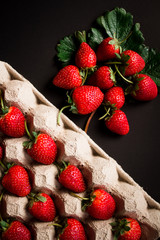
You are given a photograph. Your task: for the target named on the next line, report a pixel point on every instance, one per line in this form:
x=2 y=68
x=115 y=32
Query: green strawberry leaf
x=152 y=66
x=66 y=49
x=117 y=24
x=95 y=37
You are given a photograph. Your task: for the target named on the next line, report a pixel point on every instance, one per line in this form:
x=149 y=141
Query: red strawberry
x=107 y=49
x=87 y=98
x=118 y=123
x=15 y=231
x=68 y=77
x=72 y=178
x=102 y=78
x=73 y=230
x=85 y=56
x=42 y=207
x=135 y=63
x=16 y=181
x=12 y=122
x=115 y=96
x=101 y=205
x=126 y=229
x=147 y=89
x=41 y=148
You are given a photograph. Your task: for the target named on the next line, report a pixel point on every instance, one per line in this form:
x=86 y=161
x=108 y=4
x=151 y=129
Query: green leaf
x=135 y=40
x=66 y=50
x=152 y=66
x=117 y=24
x=95 y=37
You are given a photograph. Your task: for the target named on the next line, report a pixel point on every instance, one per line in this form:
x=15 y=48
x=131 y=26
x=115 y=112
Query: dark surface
x=29 y=33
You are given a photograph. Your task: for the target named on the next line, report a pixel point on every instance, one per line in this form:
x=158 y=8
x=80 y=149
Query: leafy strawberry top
x=119 y=25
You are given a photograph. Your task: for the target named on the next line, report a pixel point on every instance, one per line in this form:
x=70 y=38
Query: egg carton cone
x=75 y=146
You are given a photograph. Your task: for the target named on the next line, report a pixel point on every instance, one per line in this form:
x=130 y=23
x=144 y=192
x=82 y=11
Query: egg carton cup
x=75 y=146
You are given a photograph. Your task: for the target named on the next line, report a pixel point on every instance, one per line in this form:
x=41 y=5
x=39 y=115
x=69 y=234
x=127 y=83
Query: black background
x=29 y=32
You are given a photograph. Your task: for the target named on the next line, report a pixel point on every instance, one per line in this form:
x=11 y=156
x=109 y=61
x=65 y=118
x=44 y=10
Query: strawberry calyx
x=62 y=166
x=4 y=108
x=88 y=200
x=109 y=111
x=60 y=224
x=71 y=105
x=35 y=197
x=80 y=36
x=4 y=225
x=114 y=41
x=33 y=138
x=6 y=166
x=132 y=88
x=119 y=227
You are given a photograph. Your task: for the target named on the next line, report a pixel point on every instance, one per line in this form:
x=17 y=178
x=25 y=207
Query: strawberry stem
x=89 y=120
x=113 y=63
x=3 y=166
x=77 y=196
x=55 y=224
x=126 y=38
x=59 y=114
x=107 y=113
x=125 y=79
x=27 y=131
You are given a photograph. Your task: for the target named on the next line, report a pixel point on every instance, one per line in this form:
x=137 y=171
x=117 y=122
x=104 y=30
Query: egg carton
x=75 y=146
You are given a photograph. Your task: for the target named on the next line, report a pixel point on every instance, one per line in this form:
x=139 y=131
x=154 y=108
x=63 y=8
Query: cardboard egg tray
x=75 y=146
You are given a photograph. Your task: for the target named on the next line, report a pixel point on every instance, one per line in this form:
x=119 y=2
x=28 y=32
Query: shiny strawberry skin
x=85 y=56
x=16 y=231
x=103 y=206
x=135 y=63
x=73 y=231
x=44 y=150
x=102 y=78
x=16 y=181
x=13 y=123
x=115 y=95
x=87 y=98
x=72 y=179
x=118 y=123
x=43 y=211
x=106 y=50
x=68 y=77
x=134 y=233
x=147 y=89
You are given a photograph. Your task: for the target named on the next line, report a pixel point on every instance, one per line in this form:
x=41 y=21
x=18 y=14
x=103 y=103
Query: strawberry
x=14 y=231
x=118 y=123
x=134 y=64
x=85 y=56
x=146 y=88
x=41 y=147
x=87 y=99
x=107 y=49
x=72 y=178
x=126 y=229
x=41 y=206
x=115 y=96
x=73 y=230
x=16 y=181
x=68 y=77
x=12 y=122
x=102 y=78
x=100 y=205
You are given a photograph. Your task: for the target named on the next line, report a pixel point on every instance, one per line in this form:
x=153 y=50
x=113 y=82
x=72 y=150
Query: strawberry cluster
x=98 y=203
x=103 y=78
